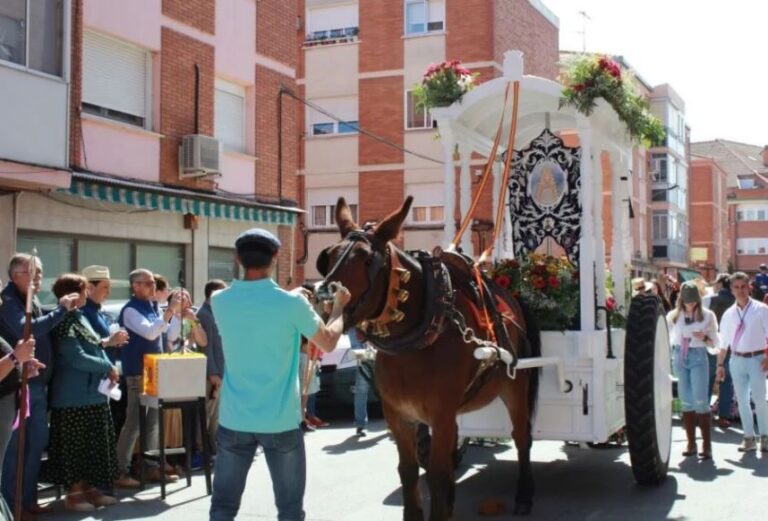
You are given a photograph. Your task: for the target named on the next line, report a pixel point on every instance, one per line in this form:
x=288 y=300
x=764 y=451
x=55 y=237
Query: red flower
x=553 y=281
x=503 y=281
x=512 y=264
x=610 y=303
x=539 y=283
x=578 y=87
x=610 y=66
x=540 y=269
x=516 y=294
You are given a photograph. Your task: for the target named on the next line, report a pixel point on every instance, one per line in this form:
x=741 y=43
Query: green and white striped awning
x=168 y=201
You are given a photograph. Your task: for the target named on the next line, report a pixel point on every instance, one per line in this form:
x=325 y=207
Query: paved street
x=354 y=480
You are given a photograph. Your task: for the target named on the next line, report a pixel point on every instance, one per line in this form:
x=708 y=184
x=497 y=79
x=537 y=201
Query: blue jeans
x=312 y=404
x=748 y=377
x=361 y=398
x=725 y=395
x=692 y=380
x=36 y=443
x=286 y=460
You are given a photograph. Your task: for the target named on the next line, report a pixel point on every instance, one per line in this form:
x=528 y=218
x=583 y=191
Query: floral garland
x=590 y=77
x=549 y=285
x=443 y=84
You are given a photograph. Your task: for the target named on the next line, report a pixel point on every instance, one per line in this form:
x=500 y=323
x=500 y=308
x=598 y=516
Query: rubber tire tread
x=642 y=320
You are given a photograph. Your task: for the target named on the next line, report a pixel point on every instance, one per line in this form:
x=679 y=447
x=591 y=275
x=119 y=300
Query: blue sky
x=713 y=53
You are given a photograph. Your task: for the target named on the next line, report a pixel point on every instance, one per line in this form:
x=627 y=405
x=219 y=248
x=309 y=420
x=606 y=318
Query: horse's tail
x=533 y=335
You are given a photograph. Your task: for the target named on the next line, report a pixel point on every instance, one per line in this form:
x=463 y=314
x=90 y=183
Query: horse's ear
x=344 y=218
x=389 y=228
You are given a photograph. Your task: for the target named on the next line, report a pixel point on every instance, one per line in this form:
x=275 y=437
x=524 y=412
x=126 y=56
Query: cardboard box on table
x=174 y=376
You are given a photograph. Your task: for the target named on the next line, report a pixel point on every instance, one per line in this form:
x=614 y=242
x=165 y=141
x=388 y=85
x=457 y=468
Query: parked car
x=338 y=371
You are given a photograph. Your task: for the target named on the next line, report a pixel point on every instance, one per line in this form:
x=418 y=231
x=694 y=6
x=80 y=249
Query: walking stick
x=22 y=434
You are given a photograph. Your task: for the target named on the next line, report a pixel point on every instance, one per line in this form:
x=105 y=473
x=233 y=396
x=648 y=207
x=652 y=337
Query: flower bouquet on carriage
x=548 y=285
x=443 y=84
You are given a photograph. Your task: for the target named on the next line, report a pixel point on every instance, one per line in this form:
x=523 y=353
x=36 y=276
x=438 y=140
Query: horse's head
x=359 y=261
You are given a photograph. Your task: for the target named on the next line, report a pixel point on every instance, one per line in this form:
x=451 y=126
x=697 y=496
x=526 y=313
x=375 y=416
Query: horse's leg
x=440 y=472
x=515 y=395
x=404 y=433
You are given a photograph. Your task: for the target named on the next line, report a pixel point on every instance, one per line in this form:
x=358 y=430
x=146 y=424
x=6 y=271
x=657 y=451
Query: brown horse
x=428 y=373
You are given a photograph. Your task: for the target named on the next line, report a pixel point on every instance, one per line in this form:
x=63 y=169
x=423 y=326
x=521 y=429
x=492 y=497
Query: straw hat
x=94 y=273
x=640 y=285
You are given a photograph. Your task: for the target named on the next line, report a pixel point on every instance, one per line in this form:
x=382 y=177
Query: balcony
x=670 y=250
x=332 y=36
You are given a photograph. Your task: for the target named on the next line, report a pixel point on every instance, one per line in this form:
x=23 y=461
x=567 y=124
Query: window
x=62 y=254
x=116 y=255
x=752 y=213
x=751 y=246
x=746 y=183
x=116 y=80
x=343 y=109
x=659 y=168
x=423 y=16
x=56 y=254
x=43 y=51
x=660 y=226
x=332 y=24
x=325 y=215
x=416 y=116
x=427 y=203
x=229 y=115
x=322 y=205
x=222 y=265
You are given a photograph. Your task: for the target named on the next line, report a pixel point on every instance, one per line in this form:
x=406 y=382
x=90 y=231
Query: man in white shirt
x=744 y=330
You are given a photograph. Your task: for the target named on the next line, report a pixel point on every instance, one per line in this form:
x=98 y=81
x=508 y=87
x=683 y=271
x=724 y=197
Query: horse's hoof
x=522 y=509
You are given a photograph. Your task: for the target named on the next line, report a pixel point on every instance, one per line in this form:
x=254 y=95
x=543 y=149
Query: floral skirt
x=82 y=446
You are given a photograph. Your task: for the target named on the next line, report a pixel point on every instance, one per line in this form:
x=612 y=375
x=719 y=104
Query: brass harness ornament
x=395 y=296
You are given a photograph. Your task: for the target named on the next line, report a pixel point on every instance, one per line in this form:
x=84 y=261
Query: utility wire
x=362 y=131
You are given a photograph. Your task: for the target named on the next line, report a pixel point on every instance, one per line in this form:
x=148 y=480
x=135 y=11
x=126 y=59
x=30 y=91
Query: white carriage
x=594 y=381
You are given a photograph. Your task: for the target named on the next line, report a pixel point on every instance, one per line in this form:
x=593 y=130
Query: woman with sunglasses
x=693 y=330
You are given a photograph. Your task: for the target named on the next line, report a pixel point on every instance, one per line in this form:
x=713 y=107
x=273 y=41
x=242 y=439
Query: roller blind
x=337 y=17
x=230 y=116
x=114 y=75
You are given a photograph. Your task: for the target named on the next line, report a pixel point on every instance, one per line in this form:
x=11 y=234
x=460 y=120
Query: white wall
x=33 y=111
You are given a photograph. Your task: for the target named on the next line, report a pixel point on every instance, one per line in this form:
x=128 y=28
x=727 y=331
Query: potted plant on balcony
x=443 y=84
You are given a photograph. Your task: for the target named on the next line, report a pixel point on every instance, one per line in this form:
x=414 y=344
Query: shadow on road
x=354 y=442
x=586 y=484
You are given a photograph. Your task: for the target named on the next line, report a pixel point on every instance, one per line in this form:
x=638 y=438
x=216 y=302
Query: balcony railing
x=330 y=36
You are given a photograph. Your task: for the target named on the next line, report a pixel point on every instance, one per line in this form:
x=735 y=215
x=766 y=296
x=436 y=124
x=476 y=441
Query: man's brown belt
x=750 y=354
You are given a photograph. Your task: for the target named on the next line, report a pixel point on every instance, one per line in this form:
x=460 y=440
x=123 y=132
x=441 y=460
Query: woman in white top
x=693 y=330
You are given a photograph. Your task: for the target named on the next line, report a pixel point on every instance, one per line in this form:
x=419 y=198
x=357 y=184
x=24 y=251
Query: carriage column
x=465 y=194
x=587 y=241
x=449 y=184
x=620 y=232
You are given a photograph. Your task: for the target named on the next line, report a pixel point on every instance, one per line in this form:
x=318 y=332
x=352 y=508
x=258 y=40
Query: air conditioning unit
x=199 y=156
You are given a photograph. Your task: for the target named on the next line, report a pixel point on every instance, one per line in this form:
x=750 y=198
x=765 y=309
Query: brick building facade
x=358 y=63
x=143 y=77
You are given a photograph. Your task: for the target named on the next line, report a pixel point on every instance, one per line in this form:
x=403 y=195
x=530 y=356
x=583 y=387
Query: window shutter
x=230 y=119
x=329 y=18
x=114 y=75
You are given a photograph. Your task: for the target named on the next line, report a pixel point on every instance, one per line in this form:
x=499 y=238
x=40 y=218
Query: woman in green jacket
x=82 y=446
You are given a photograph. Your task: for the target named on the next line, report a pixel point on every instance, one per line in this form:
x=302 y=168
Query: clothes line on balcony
x=165 y=199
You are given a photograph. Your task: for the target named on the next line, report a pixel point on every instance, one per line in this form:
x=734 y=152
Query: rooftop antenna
x=585 y=17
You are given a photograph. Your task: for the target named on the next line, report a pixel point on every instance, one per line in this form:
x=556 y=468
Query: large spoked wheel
x=648 y=390
x=424 y=443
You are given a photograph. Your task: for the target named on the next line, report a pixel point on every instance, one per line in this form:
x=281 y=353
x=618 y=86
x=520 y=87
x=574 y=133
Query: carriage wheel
x=648 y=390
x=424 y=442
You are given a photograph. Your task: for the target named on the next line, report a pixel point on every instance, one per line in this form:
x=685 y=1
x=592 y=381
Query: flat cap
x=257 y=239
x=96 y=272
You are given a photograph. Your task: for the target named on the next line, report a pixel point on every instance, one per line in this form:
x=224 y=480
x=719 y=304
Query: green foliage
x=443 y=84
x=592 y=77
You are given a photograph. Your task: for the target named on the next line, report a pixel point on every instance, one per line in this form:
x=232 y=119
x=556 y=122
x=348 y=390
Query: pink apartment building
x=145 y=134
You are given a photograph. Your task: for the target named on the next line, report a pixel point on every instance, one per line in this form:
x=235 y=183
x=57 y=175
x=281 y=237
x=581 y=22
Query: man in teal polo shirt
x=261 y=326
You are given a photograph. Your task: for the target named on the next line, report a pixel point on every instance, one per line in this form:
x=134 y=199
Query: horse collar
x=394 y=295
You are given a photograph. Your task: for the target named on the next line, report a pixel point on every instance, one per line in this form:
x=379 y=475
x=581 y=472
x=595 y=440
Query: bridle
x=375 y=265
